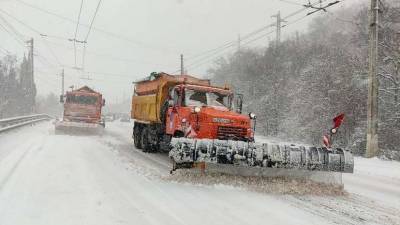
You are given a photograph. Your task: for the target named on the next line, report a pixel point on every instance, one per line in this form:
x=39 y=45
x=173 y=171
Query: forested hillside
x=298 y=86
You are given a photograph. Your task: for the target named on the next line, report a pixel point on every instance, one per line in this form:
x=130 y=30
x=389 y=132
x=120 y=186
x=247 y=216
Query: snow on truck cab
x=82 y=109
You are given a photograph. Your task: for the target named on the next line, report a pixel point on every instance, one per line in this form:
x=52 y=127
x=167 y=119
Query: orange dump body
x=151 y=86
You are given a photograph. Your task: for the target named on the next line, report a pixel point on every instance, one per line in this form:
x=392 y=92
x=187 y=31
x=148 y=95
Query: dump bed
x=151 y=84
x=150 y=94
x=144 y=108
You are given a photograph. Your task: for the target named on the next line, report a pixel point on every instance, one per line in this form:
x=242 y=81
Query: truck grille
x=234 y=133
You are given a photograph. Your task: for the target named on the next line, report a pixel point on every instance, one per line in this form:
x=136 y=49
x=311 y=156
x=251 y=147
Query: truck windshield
x=202 y=98
x=82 y=99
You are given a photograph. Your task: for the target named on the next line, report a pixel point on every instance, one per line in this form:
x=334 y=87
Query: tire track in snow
x=31 y=147
x=124 y=188
x=346 y=210
x=353 y=209
x=175 y=213
x=159 y=161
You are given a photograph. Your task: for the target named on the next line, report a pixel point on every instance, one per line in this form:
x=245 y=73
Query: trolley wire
x=217 y=51
x=76 y=29
x=87 y=35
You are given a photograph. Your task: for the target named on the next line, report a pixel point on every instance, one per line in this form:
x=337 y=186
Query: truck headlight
x=252 y=116
x=184 y=122
x=197 y=109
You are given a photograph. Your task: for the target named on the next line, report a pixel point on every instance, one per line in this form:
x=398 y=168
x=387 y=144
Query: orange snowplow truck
x=201 y=125
x=82 y=111
x=166 y=106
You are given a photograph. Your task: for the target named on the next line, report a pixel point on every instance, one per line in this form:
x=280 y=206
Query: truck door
x=172 y=120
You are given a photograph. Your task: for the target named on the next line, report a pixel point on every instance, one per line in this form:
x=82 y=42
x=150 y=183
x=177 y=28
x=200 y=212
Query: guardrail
x=14 y=122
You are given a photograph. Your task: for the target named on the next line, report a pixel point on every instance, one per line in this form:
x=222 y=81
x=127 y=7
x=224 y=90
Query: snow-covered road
x=62 y=179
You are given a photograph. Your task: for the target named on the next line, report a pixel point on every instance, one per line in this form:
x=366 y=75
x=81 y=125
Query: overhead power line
x=230 y=44
x=12 y=35
x=5 y=51
x=76 y=29
x=33 y=30
x=291 y=2
x=111 y=57
x=43 y=36
x=206 y=58
x=321 y=7
x=137 y=43
x=87 y=35
x=12 y=28
x=221 y=49
x=200 y=63
x=20 y=21
x=53 y=53
x=92 y=21
x=8 y=28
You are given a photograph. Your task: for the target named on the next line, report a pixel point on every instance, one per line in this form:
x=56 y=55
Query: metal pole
x=372 y=115
x=278 y=25
x=182 y=68
x=62 y=82
x=278 y=28
x=32 y=80
x=239 y=40
x=32 y=58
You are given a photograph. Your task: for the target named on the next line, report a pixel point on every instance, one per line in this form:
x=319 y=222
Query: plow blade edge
x=186 y=152
x=68 y=127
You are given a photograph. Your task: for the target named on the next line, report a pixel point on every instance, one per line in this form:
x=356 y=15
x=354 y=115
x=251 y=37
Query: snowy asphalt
x=63 y=179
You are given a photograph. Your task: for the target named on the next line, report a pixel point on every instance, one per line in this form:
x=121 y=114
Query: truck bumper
x=77 y=127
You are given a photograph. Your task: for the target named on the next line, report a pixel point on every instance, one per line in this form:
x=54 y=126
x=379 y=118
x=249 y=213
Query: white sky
x=154 y=33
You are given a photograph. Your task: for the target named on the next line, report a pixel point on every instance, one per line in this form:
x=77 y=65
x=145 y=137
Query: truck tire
x=165 y=143
x=144 y=140
x=137 y=137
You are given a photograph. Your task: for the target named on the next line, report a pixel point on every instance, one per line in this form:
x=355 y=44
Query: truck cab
x=82 y=109
x=173 y=106
x=206 y=112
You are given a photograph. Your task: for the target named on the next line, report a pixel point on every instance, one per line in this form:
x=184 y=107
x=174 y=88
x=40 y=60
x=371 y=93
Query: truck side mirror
x=61 y=99
x=239 y=103
x=103 y=103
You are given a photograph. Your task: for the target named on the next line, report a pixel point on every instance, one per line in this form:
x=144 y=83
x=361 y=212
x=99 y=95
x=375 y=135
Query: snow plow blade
x=67 y=127
x=257 y=157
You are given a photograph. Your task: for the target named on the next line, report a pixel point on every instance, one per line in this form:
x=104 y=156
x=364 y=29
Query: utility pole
x=123 y=97
x=239 y=40
x=62 y=82
x=278 y=28
x=32 y=80
x=31 y=55
x=182 y=67
x=372 y=115
x=278 y=25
